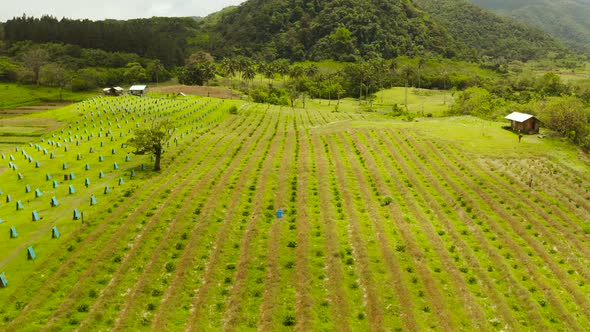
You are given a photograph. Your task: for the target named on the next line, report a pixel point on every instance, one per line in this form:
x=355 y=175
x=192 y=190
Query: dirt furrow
x=234 y=308
x=508 y=238
x=99 y=233
x=334 y=270
x=179 y=277
x=107 y=294
x=202 y=293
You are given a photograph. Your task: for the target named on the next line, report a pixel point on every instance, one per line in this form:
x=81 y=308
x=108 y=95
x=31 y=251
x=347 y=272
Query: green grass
x=13 y=95
x=464 y=242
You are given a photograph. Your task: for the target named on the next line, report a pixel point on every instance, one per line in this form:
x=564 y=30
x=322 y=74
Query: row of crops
x=383 y=228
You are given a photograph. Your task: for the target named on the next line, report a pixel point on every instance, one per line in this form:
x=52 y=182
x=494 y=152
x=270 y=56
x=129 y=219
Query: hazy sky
x=115 y=9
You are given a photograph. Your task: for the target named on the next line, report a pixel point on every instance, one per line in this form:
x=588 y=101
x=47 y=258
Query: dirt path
x=232 y=316
x=361 y=257
x=271 y=303
x=335 y=278
x=249 y=161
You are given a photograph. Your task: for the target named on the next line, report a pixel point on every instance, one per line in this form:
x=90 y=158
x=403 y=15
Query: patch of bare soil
x=205 y=91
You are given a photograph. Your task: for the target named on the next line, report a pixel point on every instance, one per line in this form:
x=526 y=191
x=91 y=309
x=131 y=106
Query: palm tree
x=158 y=67
x=406 y=72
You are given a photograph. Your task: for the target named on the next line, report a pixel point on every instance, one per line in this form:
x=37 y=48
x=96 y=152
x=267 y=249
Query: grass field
x=388 y=225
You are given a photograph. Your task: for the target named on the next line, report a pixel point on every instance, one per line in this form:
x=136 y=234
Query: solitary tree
x=152 y=140
x=34 y=59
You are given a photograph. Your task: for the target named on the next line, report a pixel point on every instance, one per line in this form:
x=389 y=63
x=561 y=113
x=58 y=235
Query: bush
x=385 y=201
x=233 y=110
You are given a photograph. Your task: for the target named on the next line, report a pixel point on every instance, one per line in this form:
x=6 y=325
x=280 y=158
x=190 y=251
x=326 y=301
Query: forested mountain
x=344 y=30
x=158 y=37
x=338 y=29
x=566 y=20
x=488 y=34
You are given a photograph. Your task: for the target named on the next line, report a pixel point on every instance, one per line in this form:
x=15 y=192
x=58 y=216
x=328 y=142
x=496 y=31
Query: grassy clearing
x=14 y=95
x=388 y=224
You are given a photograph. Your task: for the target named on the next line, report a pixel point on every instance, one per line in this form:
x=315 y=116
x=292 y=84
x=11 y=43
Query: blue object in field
x=19 y=205
x=128 y=158
x=54 y=233
x=47 y=177
x=72 y=176
x=87 y=182
x=3 y=281
x=31 y=253
x=8 y=198
x=38 y=193
x=87 y=167
x=55 y=184
x=92 y=200
x=65 y=166
x=115 y=166
x=52 y=155
x=37 y=164
x=121 y=181
x=107 y=190
x=114 y=151
x=101 y=175
x=143 y=167
x=35 y=216
x=100 y=158
x=79 y=157
x=27 y=189
x=13 y=233
x=132 y=173
x=280 y=213
x=54 y=201
x=71 y=189
x=77 y=214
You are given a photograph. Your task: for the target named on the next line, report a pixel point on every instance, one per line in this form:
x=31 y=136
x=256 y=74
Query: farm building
x=114 y=91
x=138 y=90
x=524 y=123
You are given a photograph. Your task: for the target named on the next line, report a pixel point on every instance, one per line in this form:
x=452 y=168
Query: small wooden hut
x=138 y=90
x=114 y=91
x=523 y=123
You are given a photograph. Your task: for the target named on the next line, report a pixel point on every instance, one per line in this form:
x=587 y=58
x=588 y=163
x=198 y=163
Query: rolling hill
x=488 y=34
x=565 y=20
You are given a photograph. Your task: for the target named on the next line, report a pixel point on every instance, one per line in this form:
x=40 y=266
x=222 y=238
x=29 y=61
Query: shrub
x=385 y=201
x=233 y=110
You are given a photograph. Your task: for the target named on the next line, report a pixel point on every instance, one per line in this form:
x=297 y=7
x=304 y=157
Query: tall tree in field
x=199 y=68
x=54 y=74
x=152 y=140
x=34 y=59
x=157 y=68
x=406 y=71
x=228 y=69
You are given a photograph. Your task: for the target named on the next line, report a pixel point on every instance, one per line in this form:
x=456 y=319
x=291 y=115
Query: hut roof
x=137 y=87
x=518 y=117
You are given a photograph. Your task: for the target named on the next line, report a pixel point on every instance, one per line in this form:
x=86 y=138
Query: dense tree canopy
x=162 y=38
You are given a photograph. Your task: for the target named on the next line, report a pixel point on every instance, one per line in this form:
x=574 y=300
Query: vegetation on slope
x=565 y=20
x=487 y=34
x=342 y=30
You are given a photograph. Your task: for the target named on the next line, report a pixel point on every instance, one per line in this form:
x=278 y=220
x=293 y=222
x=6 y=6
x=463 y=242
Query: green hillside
x=341 y=30
x=565 y=20
x=487 y=34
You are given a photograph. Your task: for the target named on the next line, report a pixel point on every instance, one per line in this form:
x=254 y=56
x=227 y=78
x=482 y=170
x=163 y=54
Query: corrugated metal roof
x=138 y=87
x=518 y=117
